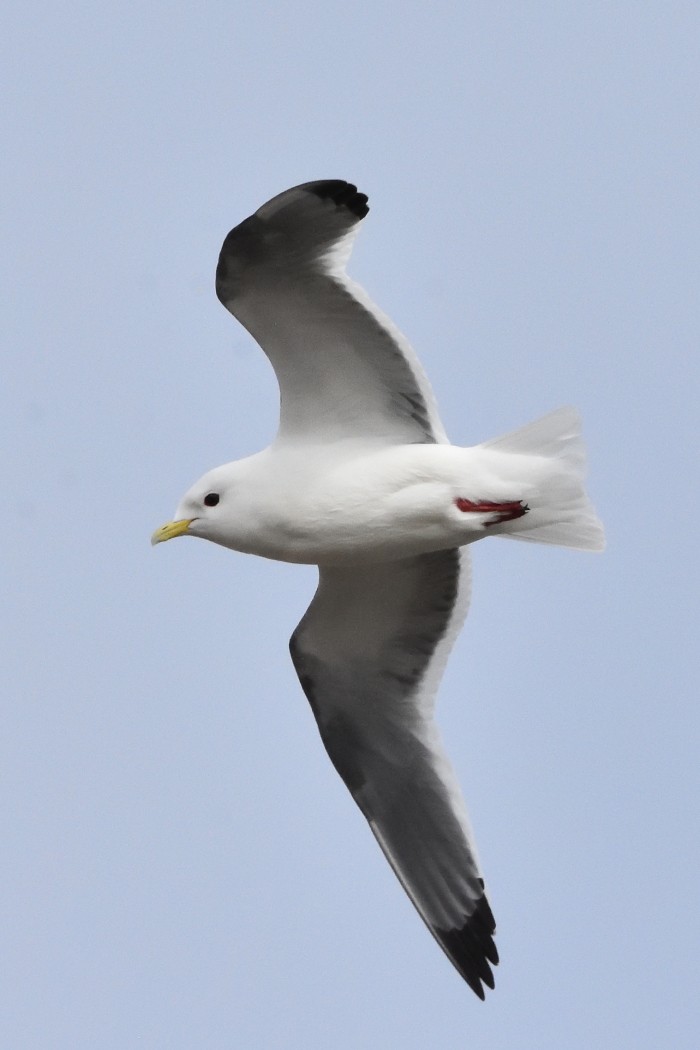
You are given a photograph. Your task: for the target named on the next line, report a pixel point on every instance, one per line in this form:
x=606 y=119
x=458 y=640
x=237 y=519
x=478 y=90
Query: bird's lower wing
x=369 y=653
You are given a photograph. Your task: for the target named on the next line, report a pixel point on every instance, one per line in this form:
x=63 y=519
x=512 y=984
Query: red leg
x=503 y=511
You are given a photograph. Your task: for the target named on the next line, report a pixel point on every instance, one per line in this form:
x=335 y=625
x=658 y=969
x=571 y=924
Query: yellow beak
x=172 y=529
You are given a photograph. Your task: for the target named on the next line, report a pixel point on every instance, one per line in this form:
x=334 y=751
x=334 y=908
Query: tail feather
x=560 y=512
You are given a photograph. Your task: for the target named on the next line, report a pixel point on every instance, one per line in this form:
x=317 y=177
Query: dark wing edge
x=344 y=194
x=289 y=229
x=390 y=759
x=470 y=947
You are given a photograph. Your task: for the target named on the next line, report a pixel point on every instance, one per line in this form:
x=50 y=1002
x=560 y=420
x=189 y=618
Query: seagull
x=362 y=481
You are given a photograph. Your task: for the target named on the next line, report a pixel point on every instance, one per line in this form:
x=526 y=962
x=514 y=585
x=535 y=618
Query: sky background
x=180 y=866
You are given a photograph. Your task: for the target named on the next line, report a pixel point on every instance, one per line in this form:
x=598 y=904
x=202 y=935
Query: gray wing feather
x=369 y=653
x=343 y=368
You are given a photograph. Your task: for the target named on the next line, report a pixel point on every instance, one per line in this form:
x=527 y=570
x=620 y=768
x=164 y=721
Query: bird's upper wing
x=344 y=370
x=369 y=653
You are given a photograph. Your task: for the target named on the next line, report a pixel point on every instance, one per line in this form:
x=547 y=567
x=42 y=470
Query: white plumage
x=362 y=481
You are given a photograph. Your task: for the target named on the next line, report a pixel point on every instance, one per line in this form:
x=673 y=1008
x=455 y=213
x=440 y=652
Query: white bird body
x=362 y=481
x=350 y=504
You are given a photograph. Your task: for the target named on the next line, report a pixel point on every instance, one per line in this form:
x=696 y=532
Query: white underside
x=353 y=502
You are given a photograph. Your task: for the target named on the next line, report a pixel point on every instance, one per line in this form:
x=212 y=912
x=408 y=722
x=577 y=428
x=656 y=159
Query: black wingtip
x=341 y=193
x=471 y=947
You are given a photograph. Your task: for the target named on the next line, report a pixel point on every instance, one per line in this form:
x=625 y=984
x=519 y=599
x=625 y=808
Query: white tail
x=560 y=511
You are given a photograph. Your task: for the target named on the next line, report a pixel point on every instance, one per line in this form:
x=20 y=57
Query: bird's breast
x=373 y=508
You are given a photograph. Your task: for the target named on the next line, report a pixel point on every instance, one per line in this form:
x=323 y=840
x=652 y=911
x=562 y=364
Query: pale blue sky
x=181 y=867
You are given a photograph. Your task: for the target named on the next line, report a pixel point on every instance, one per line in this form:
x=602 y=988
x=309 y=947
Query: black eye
x=211 y=499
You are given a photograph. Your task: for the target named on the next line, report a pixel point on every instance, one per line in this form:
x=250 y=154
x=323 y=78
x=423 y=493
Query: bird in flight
x=362 y=481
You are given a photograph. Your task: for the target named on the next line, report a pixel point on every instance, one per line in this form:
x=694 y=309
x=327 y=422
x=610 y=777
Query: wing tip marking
x=344 y=194
x=471 y=947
